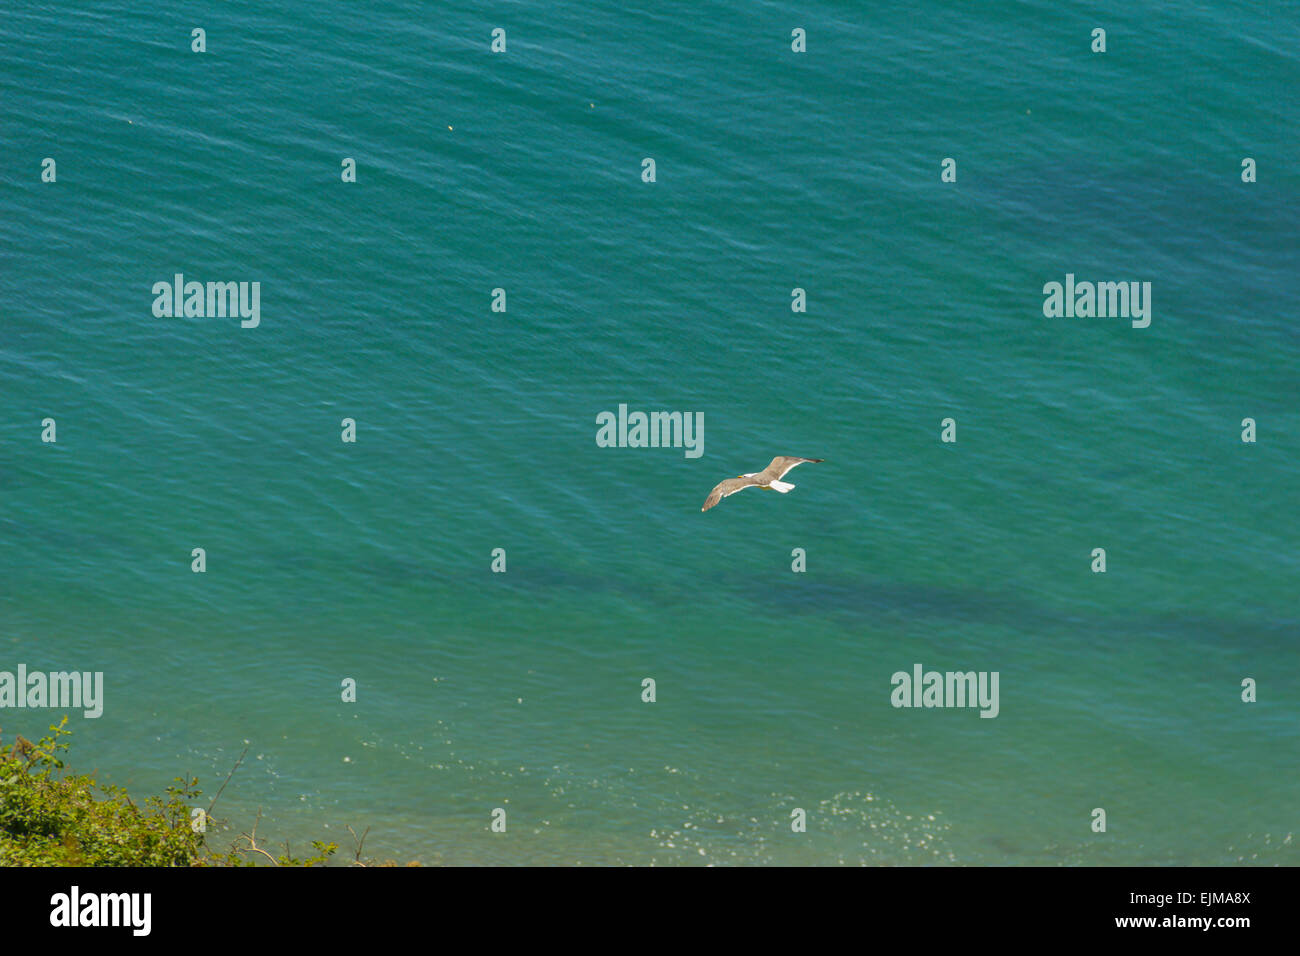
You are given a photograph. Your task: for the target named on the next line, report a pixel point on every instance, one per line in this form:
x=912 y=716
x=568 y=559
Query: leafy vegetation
x=50 y=817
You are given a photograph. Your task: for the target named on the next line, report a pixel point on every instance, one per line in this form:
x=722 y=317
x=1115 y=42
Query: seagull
x=769 y=477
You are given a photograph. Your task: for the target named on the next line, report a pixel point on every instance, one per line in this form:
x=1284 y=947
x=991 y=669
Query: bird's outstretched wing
x=724 y=488
x=782 y=464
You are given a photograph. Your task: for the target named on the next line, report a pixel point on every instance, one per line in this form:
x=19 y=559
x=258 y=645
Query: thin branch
x=358 y=845
x=252 y=838
x=227 y=780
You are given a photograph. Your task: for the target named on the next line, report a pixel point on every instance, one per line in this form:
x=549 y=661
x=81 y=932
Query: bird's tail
x=782 y=486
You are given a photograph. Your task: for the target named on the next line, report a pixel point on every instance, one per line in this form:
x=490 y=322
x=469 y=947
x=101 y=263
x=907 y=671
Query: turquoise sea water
x=475 y=429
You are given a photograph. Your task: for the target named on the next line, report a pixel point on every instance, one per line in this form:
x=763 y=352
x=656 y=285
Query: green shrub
x=49 y=817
